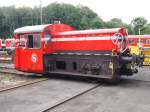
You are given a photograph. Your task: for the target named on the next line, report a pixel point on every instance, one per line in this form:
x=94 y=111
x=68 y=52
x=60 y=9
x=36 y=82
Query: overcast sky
x=127 y=10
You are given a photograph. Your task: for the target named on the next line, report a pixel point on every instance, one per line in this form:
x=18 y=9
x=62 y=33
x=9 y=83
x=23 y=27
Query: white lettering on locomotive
x=34 y=58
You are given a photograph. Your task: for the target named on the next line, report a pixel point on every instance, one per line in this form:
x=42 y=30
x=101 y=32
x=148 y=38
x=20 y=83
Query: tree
x=80 y=17
x=138 y=24
x=146 y=30
x=1 y=22
x=114 y=23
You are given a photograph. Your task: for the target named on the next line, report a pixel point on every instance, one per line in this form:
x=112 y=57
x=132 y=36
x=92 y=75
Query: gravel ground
x=5 y=57
x=3 y=65
x=8 y=78
x=11 y=80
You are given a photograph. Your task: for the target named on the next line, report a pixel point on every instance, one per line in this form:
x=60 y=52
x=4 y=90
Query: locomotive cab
x=31 y=43
x=28 y=52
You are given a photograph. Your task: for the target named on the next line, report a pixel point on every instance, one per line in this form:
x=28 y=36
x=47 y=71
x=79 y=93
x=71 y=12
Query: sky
x=126 y=10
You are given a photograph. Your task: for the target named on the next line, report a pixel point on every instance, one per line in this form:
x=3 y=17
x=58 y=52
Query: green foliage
x=146 y=30
x=114 y=23
x=80 y=17
x=138 y=24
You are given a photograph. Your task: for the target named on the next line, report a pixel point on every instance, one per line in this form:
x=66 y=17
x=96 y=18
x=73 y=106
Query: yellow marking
x=146 y=63
x=134 y=50
x=147 y=56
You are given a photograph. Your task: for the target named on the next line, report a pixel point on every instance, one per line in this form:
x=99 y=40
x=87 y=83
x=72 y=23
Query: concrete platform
x=127 y=96
x=37 y=97
x=143 y=74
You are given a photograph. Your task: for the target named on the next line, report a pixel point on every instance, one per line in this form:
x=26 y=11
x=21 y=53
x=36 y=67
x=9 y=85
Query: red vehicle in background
x=144 y=40
x=2 y=45
x=60 y=49
x=140 y=47
x=10 y=43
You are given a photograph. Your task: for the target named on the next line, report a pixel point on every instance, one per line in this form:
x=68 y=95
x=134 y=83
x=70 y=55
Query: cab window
x=34 y=41
x=47 y=38
x=23 y=41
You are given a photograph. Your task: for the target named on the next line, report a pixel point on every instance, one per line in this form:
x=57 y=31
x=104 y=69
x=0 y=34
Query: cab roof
x=35 y=28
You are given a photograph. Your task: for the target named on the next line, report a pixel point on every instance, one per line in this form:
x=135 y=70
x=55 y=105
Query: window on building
x=131 y=41
x=147 y=41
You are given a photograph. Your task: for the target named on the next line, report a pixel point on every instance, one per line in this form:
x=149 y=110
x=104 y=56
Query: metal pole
x=139 y=36
x=41 y=12
x=139 y=31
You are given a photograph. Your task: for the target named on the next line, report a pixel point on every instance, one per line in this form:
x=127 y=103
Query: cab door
x=31 y=56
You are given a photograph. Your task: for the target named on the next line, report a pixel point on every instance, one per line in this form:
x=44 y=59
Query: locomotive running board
x=80 y=74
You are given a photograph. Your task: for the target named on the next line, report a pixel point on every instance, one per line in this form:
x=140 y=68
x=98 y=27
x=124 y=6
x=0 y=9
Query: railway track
x=5 y=57
x=51 y=107
x=9 y=69
x=45 y=95
x=135 y=96
x=5 y=69
x=57 y=104
x=84 y=93
x=6 y=65
x=73 y=97
x=23 y=84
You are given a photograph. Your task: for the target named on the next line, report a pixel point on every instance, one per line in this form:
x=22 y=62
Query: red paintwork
x=23 y=56
x=85 y=45
x=9 y=43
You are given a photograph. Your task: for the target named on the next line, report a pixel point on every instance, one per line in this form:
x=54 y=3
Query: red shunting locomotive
x=59 y=48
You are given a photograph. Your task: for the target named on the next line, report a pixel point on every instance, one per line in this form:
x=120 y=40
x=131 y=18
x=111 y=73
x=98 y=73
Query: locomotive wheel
x=115 y=79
